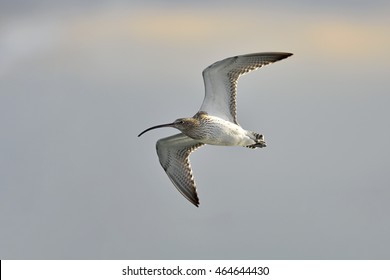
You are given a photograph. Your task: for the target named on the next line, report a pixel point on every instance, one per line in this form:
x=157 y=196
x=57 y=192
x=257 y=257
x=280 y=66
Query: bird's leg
x=259 y=141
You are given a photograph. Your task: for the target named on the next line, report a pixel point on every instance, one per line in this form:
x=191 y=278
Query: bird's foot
x=259 y=141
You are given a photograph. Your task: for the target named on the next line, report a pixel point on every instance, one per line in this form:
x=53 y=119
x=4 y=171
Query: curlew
x=215 y=123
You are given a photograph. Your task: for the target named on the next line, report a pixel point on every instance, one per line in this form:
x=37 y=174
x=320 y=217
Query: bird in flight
x=215 y=123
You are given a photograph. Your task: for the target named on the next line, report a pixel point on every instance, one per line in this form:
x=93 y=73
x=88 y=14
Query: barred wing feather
x=221 y=79
x=173 y=153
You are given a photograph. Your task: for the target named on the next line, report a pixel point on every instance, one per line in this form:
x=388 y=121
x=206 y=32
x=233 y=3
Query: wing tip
x=193 y=199
x=275 y=55
x=285 y=55
x=281 y=55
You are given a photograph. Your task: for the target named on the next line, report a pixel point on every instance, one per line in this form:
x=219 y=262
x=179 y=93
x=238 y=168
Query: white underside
x=225 y=133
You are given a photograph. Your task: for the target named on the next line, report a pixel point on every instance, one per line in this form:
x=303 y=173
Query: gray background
x=78 y=82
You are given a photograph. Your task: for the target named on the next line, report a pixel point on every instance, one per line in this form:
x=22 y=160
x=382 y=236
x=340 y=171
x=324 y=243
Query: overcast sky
x=79 y=82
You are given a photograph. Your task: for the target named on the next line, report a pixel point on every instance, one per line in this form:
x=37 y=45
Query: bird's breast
x=217 y=131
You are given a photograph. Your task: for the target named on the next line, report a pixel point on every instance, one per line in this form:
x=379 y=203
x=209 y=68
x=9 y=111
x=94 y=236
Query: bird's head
x=182 y=124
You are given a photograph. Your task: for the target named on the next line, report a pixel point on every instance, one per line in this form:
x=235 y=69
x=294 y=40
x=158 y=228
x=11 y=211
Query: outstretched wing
x=221 y=79
x=173 y=153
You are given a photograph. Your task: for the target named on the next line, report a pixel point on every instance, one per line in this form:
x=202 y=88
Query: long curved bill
x=157 y=126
